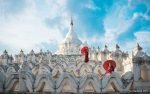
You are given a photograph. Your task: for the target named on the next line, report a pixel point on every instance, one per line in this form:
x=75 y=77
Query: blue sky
x=42 y=24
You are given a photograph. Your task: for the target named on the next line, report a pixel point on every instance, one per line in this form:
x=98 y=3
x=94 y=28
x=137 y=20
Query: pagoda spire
x=117 y=47
x=71 y=25
x=71 y=41
x=71 y=22
x=106 y=47
x=138 y=47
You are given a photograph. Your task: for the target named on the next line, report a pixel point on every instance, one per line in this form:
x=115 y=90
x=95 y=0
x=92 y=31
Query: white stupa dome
x=71 y=44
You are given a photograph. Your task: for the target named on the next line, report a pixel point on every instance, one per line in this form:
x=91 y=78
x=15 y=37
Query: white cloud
x=27 y=30
x=115 y=24
x=141 y=37
x=145 y=16
x=90 y=5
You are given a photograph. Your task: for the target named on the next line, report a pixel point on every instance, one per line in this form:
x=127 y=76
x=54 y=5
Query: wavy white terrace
x=66 y=72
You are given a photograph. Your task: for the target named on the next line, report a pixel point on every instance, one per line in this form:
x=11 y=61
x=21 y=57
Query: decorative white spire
x=117 y=47
x=71 y=32
x=71 y=36
x=106 y=49
x=137 y=51
x=138 y=47
x=21 y=52
x=5 y=52
x=71 y=22
x=71 y=40
x=32 y=52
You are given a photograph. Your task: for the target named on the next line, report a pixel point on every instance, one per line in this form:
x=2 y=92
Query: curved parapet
x=3 y=68
x=113 y=82
x=84 y=69
x=28 y=81
x=10 y=70
x=41 y=68
x=66 y=83
x=2 y=81
x=57 y=70
x=44 y=83
x=73 y=70
x=98 y=69
x=22 y=82
x=12 y=83
x=127 y=78
x=89 y=83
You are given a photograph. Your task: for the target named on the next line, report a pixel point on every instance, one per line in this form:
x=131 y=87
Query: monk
x=86 y=58
x=109 y=69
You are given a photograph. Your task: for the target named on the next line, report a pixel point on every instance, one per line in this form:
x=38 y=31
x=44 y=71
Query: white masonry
x=66 y=72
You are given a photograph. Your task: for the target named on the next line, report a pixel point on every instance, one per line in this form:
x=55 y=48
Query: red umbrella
x=84 y=50
x=109 y=65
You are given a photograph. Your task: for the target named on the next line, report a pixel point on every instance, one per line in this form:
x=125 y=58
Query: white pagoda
x=65 y=71
x=71 y=44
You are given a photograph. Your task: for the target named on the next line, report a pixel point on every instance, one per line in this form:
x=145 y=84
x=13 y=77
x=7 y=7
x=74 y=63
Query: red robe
x=109 y=69
x=86 y=58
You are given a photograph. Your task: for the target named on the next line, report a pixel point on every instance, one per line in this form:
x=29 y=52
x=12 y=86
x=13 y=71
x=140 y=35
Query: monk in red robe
x=86 y=59
x=109 y=69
